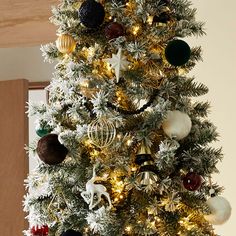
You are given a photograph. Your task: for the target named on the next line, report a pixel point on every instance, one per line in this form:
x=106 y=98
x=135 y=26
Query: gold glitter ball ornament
x=65 y=44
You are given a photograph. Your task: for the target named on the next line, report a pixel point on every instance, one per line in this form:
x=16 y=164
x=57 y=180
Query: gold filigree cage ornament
x=102 y=132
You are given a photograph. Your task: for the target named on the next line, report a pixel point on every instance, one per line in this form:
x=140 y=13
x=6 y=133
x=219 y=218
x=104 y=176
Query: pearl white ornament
x=220 y=210
x=177 y=125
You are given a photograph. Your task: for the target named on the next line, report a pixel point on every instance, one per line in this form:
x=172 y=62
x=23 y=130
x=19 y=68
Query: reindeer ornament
x=93 y=189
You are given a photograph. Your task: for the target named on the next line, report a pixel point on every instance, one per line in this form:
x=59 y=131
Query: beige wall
x=218 y=72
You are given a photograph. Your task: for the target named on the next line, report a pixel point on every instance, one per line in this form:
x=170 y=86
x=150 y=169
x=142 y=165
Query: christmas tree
x=123 y=148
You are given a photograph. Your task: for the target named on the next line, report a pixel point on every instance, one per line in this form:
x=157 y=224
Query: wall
x=219 y=74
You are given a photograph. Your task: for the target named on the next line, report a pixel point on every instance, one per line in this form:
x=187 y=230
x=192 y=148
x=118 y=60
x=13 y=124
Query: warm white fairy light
x=128 y=229
x=150 y=20
x=136 y=29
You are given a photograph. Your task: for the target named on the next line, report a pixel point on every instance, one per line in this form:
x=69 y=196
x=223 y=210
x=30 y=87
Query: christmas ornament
x=177 y=124
x=71 y=232
x=192 y=181
x=41 y=132
x=119 y=63
x=91 y=13
x=114 y=30
x=101 y=132
x=39 y=230
x=93 y=189
x=146 y=176
x=65 y=44
x=177 y=52
x=164 y=2
x=164 y=17
x=50 y=150
x=220 y=210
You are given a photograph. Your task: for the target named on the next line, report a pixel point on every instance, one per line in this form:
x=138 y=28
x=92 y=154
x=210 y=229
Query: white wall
x=24 y=63
x=218 y=72
x=34 y=96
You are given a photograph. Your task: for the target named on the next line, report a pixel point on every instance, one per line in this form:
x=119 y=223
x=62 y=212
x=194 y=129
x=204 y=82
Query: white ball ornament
x=220 y=210
x=177 y=124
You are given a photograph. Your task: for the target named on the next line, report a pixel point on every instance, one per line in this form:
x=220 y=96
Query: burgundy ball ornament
x=114 y=30
x=177 y=52
x=50 y=150
x=192 y=181
x=39 y=230
x=71 y=232
x=91 y=13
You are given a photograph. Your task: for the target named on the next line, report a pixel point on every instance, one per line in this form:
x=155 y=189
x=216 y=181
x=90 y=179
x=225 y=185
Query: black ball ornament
x=71 y=232
x=50 y=150
x=164 y=17
x=164 y=2
x=91 y=13
x=177 y=52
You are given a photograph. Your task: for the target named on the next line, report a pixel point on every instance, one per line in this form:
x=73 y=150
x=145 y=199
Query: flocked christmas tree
x=124 y=150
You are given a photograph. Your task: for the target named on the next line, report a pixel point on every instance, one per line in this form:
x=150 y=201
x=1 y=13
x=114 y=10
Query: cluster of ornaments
x=92 y=15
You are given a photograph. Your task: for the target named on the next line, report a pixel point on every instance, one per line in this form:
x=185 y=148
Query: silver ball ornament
x=220 y=210
x=177 y=125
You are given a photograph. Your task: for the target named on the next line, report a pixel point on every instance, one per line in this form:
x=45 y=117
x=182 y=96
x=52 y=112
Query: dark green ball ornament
x=41 y=132
x=177 y=52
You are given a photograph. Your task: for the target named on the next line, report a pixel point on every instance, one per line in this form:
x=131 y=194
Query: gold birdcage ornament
x=102 y=132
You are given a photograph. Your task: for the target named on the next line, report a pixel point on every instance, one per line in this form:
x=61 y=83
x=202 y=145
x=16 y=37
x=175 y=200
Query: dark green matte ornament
x=41 y=132
x=177 y=52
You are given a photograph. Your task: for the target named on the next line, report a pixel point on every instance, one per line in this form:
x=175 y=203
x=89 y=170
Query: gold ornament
x=65 y=44
x=102 y=132
x=146 y=176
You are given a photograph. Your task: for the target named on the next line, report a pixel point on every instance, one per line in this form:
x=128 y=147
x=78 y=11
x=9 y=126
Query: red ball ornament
x=114 y=30
x=192 y=181
x=39 y=230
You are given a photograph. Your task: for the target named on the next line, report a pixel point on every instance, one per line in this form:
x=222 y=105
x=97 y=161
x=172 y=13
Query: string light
x=128 y=229
x=136 y=29
x=84 y=83
x=150 y=20
x=129 y=142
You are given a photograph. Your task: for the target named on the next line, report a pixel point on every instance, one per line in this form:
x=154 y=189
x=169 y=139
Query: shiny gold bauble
x=65 y=44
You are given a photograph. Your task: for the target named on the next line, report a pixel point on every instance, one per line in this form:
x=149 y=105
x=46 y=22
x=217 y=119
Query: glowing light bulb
x=128 y=229
x=150 y=20
x=136 y=29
